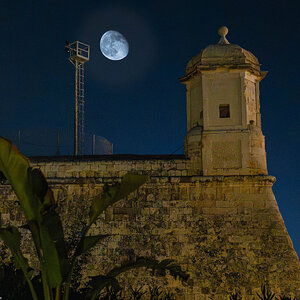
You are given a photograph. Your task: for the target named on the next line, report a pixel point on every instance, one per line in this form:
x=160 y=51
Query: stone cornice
x=251 y=179
x=205 y=68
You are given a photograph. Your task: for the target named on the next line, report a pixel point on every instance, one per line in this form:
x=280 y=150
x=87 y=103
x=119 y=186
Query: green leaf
x=38 y=182
x=12 y=239
x=158 y=267
x=50 y=259
x=54 y=248
x=15 y=168
x=111 y=194
x=36 y=199
x=40 y=190
x=29 y=184
x=98 y=283
x=35 y=232
x=88 y=242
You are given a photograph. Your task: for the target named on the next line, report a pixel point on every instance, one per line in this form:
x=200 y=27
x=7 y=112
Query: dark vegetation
x=57 y=262
x=13 y=286
x=264 y=294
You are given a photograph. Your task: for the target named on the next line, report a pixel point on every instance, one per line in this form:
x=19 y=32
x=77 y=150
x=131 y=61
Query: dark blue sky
x=138 y=103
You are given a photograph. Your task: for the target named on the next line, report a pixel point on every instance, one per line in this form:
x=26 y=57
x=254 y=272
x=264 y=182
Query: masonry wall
x=226 y=232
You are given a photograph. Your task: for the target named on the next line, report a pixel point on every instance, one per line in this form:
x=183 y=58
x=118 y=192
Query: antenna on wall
x=79 y=54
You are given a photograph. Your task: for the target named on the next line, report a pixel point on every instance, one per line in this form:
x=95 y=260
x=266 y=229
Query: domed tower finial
x=223 y=32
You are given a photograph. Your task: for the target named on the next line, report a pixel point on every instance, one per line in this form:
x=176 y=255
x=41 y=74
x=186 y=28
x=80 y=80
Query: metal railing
x=45 y=142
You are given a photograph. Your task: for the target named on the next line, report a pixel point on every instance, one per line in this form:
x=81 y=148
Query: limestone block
x=101 y=167
x=90 y=173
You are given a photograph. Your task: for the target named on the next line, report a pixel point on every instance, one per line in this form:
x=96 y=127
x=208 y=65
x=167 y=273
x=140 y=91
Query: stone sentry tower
x=223 y=111
x=226 y=146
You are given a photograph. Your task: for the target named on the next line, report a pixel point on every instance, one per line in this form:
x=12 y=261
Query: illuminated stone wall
x=225 y=231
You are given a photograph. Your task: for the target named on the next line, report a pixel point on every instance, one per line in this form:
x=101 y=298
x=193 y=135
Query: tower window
x=201 y=114
x=224 y=111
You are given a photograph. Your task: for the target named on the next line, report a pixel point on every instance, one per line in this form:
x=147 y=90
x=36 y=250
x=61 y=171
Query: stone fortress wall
x=225 y=231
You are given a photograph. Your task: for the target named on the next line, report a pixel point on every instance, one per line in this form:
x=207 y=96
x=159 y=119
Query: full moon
x=113 y=45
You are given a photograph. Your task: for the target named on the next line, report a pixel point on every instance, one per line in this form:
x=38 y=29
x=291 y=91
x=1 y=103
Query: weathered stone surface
x=226 y=232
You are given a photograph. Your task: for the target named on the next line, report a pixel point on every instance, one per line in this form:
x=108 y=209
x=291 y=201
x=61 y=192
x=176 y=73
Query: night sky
x=138 y=103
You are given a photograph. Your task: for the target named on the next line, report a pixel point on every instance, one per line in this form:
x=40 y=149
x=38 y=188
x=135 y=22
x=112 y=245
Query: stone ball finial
x=223 y=32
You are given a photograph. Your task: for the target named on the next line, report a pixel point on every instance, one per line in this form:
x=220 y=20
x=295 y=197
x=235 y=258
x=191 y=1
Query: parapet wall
x=114 y=166
x=225 y=231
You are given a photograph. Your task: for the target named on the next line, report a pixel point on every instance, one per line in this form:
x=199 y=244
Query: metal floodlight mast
x=79 y=54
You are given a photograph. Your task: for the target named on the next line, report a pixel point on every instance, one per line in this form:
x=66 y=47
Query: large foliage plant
x=55 y=262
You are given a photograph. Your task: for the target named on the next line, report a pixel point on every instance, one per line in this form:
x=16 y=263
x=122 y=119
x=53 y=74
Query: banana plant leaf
x=111 y=194
x=41 y=189
x=35 y=232
x=37 y=201
x=88 y=242
x=158 y=267
x=15 y=168
x=12 y=239
x=98 y=283
x=54 y=248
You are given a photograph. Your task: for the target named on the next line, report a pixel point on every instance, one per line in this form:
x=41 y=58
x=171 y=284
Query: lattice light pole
x=79 y=55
